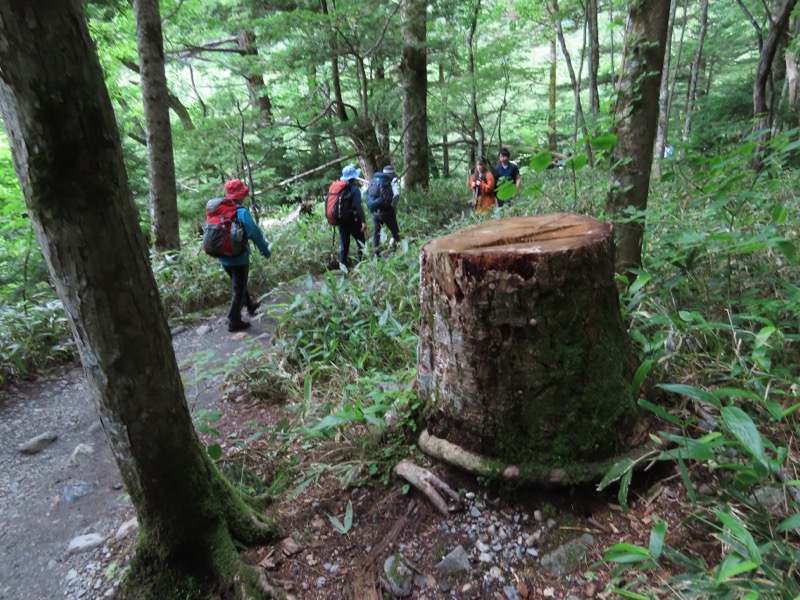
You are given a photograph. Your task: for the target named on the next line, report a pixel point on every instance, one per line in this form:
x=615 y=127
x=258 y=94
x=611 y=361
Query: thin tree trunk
x=256 y=89
x=594 y=57
x=576 y=90
x=53 y=100
x=445 y=147
x=663 y=96
x=678 y=57
x=698 y=57
x=637 y=109
x=760 y=108
x=611 y=41
x=160 y=159
x=477 y=127
x=551 y=118
x=336 y=83
x=414 y=72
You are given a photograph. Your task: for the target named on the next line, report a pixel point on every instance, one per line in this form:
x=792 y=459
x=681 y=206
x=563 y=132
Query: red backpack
x=339 y=203
x=223 y=234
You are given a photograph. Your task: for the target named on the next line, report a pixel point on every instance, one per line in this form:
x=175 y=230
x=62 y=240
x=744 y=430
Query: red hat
x=236 y=190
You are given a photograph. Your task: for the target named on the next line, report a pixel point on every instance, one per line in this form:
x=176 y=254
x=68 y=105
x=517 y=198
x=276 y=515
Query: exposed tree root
x=427 y=483
x=524 y=473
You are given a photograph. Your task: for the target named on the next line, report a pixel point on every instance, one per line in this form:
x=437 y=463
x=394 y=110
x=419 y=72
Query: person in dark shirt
x=357 y=226
x=507 y=171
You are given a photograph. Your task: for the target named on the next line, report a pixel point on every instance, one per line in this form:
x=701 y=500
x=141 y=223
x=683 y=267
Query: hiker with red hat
x=237 y=267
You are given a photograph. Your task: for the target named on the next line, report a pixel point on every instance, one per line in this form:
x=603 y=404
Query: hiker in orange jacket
x=481 y=184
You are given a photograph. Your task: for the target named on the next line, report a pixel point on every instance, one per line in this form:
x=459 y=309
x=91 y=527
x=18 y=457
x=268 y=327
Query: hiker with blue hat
x=343 y=209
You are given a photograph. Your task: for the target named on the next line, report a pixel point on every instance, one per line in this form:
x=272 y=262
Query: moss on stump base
x=523 y=356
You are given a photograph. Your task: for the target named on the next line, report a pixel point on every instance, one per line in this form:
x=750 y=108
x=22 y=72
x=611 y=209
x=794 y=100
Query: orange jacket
x=487 y=199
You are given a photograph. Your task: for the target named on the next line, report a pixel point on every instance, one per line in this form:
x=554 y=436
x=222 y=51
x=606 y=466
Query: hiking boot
x=252 y=309
x=238 y=326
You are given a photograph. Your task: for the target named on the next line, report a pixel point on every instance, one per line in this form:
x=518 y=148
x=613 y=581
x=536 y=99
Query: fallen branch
x=427 y=483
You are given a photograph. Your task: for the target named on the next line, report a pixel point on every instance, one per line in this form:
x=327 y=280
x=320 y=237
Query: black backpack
x=380 y=193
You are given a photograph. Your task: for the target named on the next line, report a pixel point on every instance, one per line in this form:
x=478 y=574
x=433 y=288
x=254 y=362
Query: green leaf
x=615 y=472
x=740 y=533
x=788 y=249
x=541 y=161
x=743 y=429
x=657 y=540
x=790 y=523
x=658 y=410
x=629 y=594
x=506 y=190
x=214 y=451
x=624 y=484
x=604 y=142
x=732 y=566
x=691 y=392
x=576 y=163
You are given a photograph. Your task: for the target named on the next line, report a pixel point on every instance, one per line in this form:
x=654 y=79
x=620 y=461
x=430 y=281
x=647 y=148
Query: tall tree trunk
x=678 y=57
x=663 y=97
x=382 y=124
x=552 y=134
x=336 y=82
x=477 y=127
x=445 y=147
x=792 y=85
x=611 y=41
x=637 y=109
x=580 y=118
x=698 y=58
x=594 y=57
x=53 y=101
x=160 y=159
x=256 y=89
x=760 y=108
x=414 y=71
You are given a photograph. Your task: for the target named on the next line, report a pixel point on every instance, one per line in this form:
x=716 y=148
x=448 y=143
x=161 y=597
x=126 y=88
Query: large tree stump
x=523 y=357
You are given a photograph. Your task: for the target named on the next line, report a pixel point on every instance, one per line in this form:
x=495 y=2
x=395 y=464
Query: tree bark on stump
x=523 y=357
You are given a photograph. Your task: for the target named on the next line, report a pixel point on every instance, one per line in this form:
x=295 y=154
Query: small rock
x=399 y=576
x=289 y=547
x=455 y=562
x=430 y=581
x=474 y=512
x=80 y=455
x=485 y=557
x=321 y=581
x=511 y=592
x=38 y=443
x=128 y=527
x=84 y=543
x=75 y=490
x=566 y=558
x=203 y=329
x=537 y=516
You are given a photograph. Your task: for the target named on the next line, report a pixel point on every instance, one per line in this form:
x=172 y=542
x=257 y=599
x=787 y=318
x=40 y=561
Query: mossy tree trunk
x=523 y=357
x=68 y=157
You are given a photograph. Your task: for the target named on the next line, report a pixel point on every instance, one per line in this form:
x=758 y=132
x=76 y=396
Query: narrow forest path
x=66 y=524
x=62 y=507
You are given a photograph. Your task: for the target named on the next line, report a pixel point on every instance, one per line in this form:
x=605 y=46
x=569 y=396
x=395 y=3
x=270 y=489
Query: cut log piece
x=522 y=355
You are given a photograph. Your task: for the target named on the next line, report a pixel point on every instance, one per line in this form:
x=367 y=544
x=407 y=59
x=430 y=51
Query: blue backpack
x=380 y=193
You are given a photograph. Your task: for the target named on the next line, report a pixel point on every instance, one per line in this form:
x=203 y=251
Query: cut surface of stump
x=523 y=357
